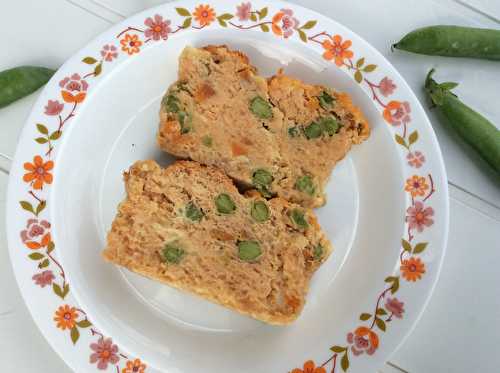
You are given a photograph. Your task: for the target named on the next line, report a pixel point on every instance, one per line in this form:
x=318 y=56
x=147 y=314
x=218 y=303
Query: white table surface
x=460 y=329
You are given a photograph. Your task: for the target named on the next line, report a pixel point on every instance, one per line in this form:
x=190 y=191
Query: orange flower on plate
x=131 y=44
x=412 y=269
x=309 y=367
x=136 y=366
x=336 y=49
x=65 y=317
x=38 y=172
x=416 y=185
x=204 y=15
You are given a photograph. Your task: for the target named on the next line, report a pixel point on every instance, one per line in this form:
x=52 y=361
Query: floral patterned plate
x=387 y=213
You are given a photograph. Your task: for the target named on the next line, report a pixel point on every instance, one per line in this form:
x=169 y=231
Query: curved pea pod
x=472 y=127
x=20 y=81
x=453 y=41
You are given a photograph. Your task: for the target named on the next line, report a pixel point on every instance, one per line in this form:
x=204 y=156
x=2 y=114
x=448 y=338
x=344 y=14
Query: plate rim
x=15 y=182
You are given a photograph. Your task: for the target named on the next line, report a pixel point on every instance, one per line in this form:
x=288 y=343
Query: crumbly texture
x=221 y=112
x=175 y=228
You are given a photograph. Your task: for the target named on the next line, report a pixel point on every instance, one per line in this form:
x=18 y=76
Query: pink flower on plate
x=386 y=86
x=394 y=306
x=109 y=52
x=54 y=107
x=74 y=83
x=244 y=11
x=105 y=352
x=44 y=278
x=362 y=340
x=73 y=89
x=397 y=112
x=36 y=234
x=419 y=217
x=415 y=159
x=158 y=28
x=283 y=23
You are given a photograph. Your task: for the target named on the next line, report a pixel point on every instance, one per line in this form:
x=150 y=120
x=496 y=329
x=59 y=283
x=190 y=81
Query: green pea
x=329 y=125
x=318 y=252
x=193 y=212
x=262 y=180
x=259 y=211
x=263 y=177
x=224 y=204
x=472 y=127
x=248 y=250
x=293 y=132
x=313 y=131
x=261 y=108
x=172 y=253
x=298 y=218
x=185 y=120
x=20 y=81
x=453 y=41
x=305 y=184
x=207 y=141
x=170 y=103
x=325 y=100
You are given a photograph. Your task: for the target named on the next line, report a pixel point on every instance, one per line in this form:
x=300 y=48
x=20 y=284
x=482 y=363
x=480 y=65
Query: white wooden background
x=460 y=330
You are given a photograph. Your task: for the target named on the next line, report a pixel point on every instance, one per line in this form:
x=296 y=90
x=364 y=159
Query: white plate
x=107 y=104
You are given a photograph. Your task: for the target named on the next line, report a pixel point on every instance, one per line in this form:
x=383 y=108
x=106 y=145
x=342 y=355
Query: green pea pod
x=471 y=126
x=20 y=81
x=453 y=41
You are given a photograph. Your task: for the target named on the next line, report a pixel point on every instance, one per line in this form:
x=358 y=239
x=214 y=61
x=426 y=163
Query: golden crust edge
x=264 y=317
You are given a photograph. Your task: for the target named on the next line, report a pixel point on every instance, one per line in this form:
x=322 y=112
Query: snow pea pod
x=21 y=81
x=453 y=41
x=471 y=126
